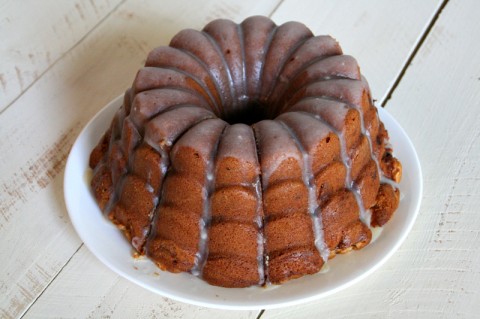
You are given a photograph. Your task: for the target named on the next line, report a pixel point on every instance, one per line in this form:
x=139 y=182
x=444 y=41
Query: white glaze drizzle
x=376 y=232
x=226 y=68
x=163 y=149
x=313 y=207
x=149 y=188
x=243 y=98
x=164 y=157
x=349 y=183
x=262 y=258
x=115 y=196
x=164 y=162
x=385 y=180
x=200 y=259
x=365 y=215
x=366 y=133
x=268 y=171
x=137 y=242
x=266 y=48
x=204 y=222
x=325 y=268
x=347 y=162
x=260 y=239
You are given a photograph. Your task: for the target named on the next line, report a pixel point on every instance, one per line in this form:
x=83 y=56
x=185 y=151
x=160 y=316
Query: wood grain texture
x=142 y=39
x=379 y=34
x=435 y=274
x=103 y=294
x=35 y=34
x=39 y=128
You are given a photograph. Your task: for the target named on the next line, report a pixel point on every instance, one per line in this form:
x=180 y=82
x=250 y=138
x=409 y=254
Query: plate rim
x=224 y=304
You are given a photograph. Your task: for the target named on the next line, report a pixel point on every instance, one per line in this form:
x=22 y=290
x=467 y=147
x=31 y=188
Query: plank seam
x=51 y=281
x=63 y=56
x=414 y=52
x=260 y=314
x=276 y=8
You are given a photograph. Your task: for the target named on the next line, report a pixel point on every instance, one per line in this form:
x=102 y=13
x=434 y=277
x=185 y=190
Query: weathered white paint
x=36 y=34
x=435 y=273
x=103 y=294
x=39 y=128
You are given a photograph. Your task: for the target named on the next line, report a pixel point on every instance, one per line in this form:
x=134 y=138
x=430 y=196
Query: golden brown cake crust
x=247 y=154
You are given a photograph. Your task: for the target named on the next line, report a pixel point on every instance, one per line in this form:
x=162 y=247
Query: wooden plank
x=136 y=48
x=379 y=34
x=103 y=294
x=53 y=111
x=39 y=128
x=32 y=41
x=435 y=274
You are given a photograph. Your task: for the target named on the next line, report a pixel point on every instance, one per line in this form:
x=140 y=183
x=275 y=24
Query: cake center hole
x=249 y=114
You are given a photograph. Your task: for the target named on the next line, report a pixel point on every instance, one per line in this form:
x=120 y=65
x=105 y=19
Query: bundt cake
x=246 y=154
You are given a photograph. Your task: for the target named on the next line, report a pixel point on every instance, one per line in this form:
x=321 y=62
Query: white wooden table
x=61 y=61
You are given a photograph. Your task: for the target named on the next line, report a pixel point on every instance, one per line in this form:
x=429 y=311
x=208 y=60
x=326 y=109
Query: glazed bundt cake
x=247 y=154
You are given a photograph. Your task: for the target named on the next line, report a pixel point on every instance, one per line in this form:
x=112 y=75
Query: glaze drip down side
x=247 y=154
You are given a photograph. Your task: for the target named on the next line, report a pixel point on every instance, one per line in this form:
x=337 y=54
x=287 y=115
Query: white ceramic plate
x=109 y=245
